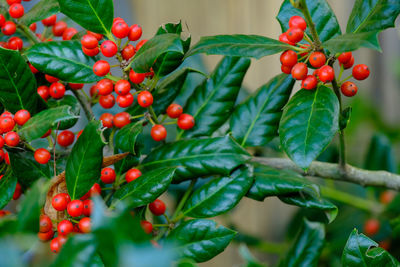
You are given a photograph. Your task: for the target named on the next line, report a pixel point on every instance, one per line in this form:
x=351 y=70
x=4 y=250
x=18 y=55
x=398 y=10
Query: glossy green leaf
x=255 y=122
x=325 y=20
x=197 y=157
x=238 y=45
x=144 y=189
x=7 y=187
x=291 y=188
x=219 y=195
x=362 y=251
x=84 y=163
x=43 y=9
x=26 y=168
x=125 y=139
x=31 y=205
x=39 y=124
x=18 y=85
x=372 y=15
x=308 y=246
x=309 y=122
x=353 y=41
x=380 y=155
x=212 y=102
x=200 y=239
x=64 y=60
x=79 y=250
x=93 y=15
x=160 y=44
x=186 y=263
x=67 y=100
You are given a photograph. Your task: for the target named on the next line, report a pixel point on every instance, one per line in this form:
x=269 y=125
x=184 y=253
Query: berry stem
x=304 y=9
x=28 y=33
x=111 y=139
x=85 y=104
x=182 y=202
x=308 y=39
x=153 y=114
x=112 y=78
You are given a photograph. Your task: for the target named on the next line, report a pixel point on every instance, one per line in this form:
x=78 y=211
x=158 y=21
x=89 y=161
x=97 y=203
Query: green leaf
x=293 y=189
x=380 y=155
x=325 y=20
x=84 y=163
x=144 y=59
x=186 y=263
x=309 y=122
x=126 y=138
x=219 y=195
x=308 y=246
x=93 y=15
x=79 y=250
x=200 y=239
x=144 y=189
x=238 y=45
x=255 y=121
x=7 y=188
x=64 y=60
x=18 y=84
x=353 y=41
x=31 y=205
x=26 y=168
x=39 y=124
x=197 y=157
x=362 y=251
x=42 y=10
x=212 y=102
x=67 y=100
x=372 y=15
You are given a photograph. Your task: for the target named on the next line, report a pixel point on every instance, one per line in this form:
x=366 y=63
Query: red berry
x=135 y=32
x=297 y=22
x=107 y=101
x=295 y=35
x=349 y=89
x=147 y=226
x=360 y=72
x=65 y=227
x=158 y=132
x=59 y=28
x=33 y=69
x=107 y=120
x=345 y=57
x=349 y=64
x=309 y=83
x=288 y=58
x=65 y=138
x=75 y=208
x=286 y=69
x=44 y=92
x=136 y=77
x=6 y=124
x=89 y=41
x=50 y=21
x=101 y=68
x=120 y=29
x=7 y=159
x=122 y=87
x=185 y=121
x=128 y=52
x=299 y=71
x=45 y=223
x=2 y=156
x=97 y=35
x=371 y=227
x=33 y=27
x=11 y=139
x=174 y=111
x=46 y=236
x=157 y=207
x=386 y=197
x=60 y=201
x=10 y=2
x=105 y=87
x=145 y=99
x=69 y=33
x=42 y=156
x=57 y=90
x=22 y=116
x=125 y=101
x=84 y=225
x=283 y=38
x=87 y=207
x=108 y=175
x=109 y=48
x=2 y=142
x=140 y=44
x=55 y=245
x=317 y=59
x=95 y=190
x=17 y=192
x=76 y=86
x=16 y=11
x=121 y=119
x=91 y=52
x=326 y=74
x=15 y=43
x=9 y=28
x=51 y=79
x=2 y=20
x=132 y=174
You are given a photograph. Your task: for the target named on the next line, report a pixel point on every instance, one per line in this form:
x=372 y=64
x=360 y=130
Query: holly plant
x=120 y=158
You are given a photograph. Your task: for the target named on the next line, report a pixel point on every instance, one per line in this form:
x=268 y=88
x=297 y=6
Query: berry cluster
x=297 y=63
